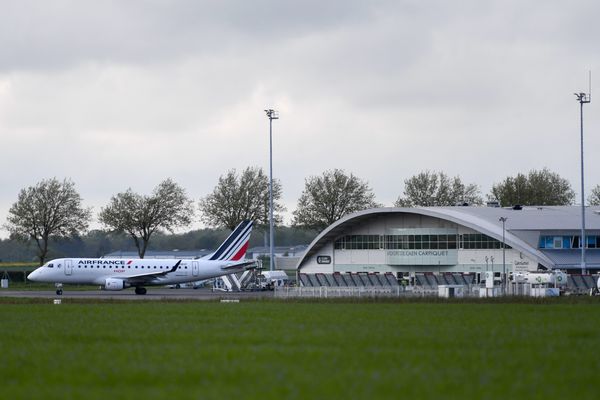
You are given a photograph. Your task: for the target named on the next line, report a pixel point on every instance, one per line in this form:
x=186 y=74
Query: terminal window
x=470 y=241
x=569 y=242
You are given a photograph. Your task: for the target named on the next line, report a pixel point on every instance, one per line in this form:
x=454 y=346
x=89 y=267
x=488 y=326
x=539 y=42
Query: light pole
x=271 y=114
x=503 y=220
x=583 y=98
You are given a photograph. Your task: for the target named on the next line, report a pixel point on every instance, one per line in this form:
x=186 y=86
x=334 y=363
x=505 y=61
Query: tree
x=594 y=198
x=540 y=188
x=329 y=197
x=50 y=209
x=428 y=189
x=240 y=197
x=140 y=216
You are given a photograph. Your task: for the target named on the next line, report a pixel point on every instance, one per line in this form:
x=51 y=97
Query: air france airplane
x=118 y=274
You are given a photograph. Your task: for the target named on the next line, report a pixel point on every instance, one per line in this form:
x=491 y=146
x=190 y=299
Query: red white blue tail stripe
x=235 y=246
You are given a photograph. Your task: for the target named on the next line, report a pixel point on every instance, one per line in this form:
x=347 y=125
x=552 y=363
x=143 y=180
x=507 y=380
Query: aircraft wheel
x=140 y=290
x=59 y=292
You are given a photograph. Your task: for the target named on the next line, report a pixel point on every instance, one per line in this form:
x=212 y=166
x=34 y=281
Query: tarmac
x=157 y=294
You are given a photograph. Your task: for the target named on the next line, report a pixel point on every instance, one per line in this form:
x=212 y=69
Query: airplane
x=119 y=274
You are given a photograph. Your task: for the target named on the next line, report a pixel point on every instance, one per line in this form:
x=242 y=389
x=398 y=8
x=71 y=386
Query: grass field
x=278 y=350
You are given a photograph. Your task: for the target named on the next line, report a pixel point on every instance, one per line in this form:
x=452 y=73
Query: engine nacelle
x=114 y=284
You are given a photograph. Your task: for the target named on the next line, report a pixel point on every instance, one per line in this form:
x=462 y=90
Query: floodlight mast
x=271 y=114
x=583 y=98
x=504 y=280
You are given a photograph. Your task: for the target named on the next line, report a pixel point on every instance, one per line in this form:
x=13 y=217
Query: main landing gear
x=140 y=290
x=58 y=289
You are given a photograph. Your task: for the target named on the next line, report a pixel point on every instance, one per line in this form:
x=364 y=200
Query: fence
x=324 y=292
x=336 y=292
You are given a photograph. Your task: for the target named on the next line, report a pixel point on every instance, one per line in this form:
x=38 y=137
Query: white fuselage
x=142 y=272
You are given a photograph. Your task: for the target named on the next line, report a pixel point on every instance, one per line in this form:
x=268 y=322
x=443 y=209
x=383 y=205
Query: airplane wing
x=149 y=276
x=240 y=264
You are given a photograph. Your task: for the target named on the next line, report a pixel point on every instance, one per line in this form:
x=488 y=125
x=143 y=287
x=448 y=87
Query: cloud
x=124 y=94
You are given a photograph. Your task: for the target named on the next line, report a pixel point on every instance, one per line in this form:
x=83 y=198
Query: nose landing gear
x=59 y=290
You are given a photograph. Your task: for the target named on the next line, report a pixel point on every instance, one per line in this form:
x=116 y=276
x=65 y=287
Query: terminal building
x=455 y=240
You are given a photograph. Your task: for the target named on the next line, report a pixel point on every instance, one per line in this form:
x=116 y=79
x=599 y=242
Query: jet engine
x=114 y=284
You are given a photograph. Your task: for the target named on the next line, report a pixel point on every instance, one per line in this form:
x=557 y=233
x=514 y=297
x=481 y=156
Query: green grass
x=298 y=350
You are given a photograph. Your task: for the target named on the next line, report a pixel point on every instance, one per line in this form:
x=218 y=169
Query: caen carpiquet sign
x=423 y=254
x=422 y=257
x=420 y=253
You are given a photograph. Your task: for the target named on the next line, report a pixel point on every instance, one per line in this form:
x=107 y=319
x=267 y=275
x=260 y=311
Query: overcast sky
x=119 y=94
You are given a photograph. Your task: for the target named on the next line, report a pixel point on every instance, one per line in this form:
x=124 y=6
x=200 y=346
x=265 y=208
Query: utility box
x=489 y=279
x=449 y=291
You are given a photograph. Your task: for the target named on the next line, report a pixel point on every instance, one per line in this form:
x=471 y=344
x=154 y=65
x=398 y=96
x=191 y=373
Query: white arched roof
x=485 y=220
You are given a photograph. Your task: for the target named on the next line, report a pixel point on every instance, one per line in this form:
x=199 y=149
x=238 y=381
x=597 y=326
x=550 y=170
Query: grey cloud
x=58 y=34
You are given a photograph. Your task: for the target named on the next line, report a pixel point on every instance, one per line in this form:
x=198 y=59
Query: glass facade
x=479 y=241
x=569 y=242
x=472 y=241
x=359 y=242
x=417 y=242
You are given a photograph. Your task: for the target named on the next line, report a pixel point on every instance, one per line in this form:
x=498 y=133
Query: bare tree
x=594 y=198
x=540 y=188
x=141 y=216
x=428 y=189
x=329 y=197
x=50 y=209
x=241 y=197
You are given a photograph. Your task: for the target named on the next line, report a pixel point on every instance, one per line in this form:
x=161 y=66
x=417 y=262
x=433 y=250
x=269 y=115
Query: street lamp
x=503 y=220
x=271 y=114
x=583 y=98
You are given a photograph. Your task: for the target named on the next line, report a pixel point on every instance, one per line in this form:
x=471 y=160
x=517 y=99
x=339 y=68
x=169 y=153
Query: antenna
x=585 y=98
x=590 y=86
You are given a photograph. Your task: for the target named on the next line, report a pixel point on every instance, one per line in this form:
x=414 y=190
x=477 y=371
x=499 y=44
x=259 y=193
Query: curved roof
x=481 y=219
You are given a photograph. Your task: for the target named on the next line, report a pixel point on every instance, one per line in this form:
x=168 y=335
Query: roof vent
x=517 y=207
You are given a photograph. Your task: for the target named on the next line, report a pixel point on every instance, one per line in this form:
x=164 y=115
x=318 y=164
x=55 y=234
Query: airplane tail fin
x=235 y=246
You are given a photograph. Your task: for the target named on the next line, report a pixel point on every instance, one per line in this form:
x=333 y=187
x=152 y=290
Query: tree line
x=53 y=210
x=100 y=242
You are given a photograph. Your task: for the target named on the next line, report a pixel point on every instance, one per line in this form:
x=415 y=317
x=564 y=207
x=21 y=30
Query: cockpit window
x=50 y=265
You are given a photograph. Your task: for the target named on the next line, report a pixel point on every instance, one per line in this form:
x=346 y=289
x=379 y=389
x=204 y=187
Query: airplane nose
x=34 y=275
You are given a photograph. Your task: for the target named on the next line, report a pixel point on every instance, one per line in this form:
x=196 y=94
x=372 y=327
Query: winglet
x=175 y=267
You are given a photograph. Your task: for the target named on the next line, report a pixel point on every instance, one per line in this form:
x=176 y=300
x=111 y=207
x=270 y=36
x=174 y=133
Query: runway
x=158 y=294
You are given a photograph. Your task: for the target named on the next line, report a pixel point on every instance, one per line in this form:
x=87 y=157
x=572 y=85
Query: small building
x=286 y=257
